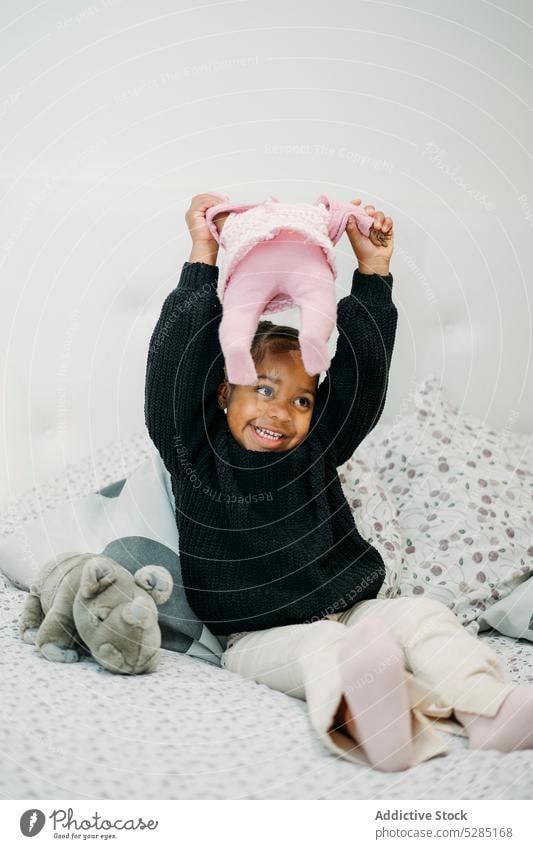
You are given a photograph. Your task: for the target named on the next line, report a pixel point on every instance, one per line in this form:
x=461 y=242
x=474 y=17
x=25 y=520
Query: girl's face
x=281 y=401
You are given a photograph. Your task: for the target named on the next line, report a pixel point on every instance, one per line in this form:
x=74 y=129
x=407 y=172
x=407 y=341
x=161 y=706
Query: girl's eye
x=269 y=392
x=258 y=388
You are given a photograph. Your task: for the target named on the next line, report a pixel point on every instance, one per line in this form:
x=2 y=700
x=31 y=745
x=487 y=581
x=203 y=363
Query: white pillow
x=464 y=495
x=375 y=516
x=132 y=521
x=512 y=615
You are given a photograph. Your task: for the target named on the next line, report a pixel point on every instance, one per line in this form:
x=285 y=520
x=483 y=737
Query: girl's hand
x=204 y=244
x=195 y=218
x=373 y=252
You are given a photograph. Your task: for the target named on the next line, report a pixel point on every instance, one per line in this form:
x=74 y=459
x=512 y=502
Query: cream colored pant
x=446 y=668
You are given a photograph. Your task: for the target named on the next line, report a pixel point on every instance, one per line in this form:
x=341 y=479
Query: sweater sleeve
x=184 y=367
x=351 y=398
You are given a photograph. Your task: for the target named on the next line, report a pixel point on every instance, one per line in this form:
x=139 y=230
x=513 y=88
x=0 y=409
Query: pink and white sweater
x=247 y=225
x=277 y=256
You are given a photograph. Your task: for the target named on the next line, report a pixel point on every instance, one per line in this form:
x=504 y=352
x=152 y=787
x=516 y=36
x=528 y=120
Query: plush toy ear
x=156 y=580
x=96 y=576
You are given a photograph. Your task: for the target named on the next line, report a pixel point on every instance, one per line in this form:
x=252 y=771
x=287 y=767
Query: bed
x=193 y=730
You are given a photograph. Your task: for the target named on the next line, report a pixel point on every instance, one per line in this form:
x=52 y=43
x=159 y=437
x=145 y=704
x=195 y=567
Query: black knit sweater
x=266 y=538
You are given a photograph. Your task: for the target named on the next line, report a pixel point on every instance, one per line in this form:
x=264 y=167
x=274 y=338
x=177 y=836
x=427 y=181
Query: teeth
x=268 y=433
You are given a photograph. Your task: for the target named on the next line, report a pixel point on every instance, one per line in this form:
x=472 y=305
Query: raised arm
x=185 y=363
x=184 y=367
x=351 y=398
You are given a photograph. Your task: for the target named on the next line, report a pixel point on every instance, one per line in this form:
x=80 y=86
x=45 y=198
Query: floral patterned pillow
x=375 y=517
x=464 y=499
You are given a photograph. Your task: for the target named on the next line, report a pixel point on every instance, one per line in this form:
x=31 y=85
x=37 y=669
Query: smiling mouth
x=265 y=435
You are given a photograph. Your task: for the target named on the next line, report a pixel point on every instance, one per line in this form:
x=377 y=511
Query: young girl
x=268 y=543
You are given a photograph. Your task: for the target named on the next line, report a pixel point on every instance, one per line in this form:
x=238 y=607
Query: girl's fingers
x=381 y=222
x=378 y=221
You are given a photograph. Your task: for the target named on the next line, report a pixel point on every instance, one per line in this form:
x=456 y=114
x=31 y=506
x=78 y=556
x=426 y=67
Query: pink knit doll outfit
x=277 y=256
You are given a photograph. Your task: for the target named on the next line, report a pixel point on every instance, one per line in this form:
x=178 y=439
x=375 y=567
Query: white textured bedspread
x=194 y=731
x=191 y=730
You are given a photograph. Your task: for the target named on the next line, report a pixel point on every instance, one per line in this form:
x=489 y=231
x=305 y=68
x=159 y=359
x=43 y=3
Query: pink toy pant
x=256 y=280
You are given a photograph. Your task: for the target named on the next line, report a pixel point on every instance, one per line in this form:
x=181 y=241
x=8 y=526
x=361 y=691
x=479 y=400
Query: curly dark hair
x=272 y=338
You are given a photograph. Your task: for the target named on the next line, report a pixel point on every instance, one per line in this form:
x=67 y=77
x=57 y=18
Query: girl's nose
x=279 y=411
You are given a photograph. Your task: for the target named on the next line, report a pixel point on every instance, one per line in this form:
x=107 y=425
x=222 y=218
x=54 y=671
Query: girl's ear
x=222 y=394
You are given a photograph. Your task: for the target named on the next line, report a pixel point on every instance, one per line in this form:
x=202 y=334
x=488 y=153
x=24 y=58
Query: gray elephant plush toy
x=91 y=602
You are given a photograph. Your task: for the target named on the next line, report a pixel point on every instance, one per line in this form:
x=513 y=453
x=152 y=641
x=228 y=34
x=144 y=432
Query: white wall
x=115 y=113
